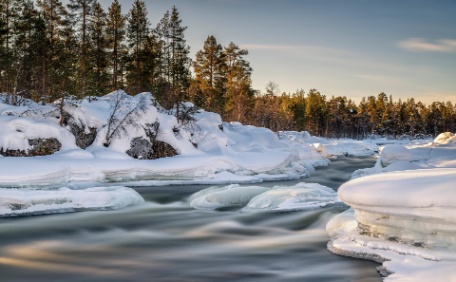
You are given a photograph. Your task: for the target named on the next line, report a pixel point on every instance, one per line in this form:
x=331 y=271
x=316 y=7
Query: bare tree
x=123 y=113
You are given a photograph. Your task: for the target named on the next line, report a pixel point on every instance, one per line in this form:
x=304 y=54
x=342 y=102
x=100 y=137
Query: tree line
x=51 y=52
x=340 y=117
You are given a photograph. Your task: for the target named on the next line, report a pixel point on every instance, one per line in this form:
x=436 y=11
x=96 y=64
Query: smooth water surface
x=166 y=240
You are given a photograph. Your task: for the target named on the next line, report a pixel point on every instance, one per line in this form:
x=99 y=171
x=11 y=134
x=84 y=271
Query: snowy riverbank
x=403 y=213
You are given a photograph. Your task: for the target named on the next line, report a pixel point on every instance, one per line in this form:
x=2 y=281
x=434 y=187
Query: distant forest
x=50 y=52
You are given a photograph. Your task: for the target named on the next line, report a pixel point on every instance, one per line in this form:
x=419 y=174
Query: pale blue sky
x=355 y=48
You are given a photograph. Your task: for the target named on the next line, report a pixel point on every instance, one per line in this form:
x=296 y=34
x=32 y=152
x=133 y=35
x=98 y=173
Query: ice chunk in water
x=228 y=196
x=298 y=197
x=21 y=202
x=256 y=198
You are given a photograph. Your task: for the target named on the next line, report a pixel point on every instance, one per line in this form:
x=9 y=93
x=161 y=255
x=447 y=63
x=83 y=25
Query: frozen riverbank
x=402 y=213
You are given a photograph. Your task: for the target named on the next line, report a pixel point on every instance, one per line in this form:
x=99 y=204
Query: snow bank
x=405 y=220
x=15 y=202
x=332 y=147
x=301 y=196
x=17 y=131
x=424 y=155
x=210 y=151
x=446 y=138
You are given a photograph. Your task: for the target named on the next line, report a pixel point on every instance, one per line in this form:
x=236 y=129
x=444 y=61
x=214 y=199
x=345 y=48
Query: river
x=166 y=240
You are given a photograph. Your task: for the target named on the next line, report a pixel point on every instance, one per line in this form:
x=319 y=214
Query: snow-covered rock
x=446 y=138
x=424 y=155
x=15 y=202
x=301 y=196
x=403 y=219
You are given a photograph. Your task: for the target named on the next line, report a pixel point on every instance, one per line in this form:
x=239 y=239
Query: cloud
x=422 y=45
x=377 y=78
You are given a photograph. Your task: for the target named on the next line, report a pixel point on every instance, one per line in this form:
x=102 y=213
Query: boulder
x=39 y=147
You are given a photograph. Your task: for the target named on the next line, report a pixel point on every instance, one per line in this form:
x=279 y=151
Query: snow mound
x=392 y=153
x=17 y=131
x=417 y=156
x=221 y=197
x=446 y=138
x=405 y=220
x=301 y=196
x=331 y=148
x=254 y=198
x=15 y=202
x=413 y=205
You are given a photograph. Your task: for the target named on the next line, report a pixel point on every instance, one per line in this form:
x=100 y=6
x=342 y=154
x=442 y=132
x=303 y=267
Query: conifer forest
x=54 y=52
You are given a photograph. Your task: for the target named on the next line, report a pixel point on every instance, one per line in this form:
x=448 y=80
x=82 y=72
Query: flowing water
x=166 y=240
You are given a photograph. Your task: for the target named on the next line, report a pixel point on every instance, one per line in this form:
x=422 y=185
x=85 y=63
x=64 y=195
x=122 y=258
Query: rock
x=83 y=139
x=39 y=147
x=141 y=148
x=163 y=150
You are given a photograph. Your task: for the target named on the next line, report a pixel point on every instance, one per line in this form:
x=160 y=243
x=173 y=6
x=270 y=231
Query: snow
x=402 y=210
x=19 y=202
x=445 y=138
x=224 y=152
x=16 y=131
x=403 y=213
x=220 y=197
x=302 y=196
x=420 y=155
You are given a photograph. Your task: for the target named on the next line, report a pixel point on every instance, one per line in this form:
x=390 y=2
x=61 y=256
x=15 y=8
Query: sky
x=353 y=48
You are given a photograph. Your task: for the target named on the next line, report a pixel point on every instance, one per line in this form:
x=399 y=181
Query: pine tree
x=116 y=35
x=209 y=67
x=81 y=17
x=24 y=56
x=239 y=93
x=59 y=66
x=8 y=16
x=174 y=62
x=180 y=61
x=297 y=108
x=99 y=58
x=316 y=112
x=138 y=35
x=162 y=85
